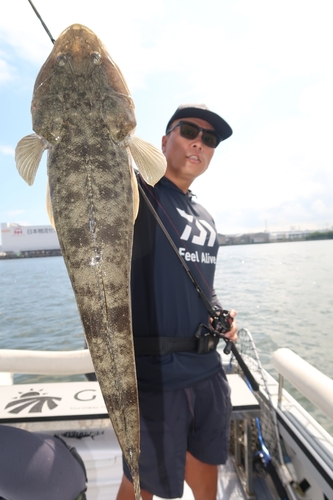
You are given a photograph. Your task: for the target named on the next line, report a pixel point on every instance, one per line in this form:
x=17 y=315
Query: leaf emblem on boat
x=35 y=400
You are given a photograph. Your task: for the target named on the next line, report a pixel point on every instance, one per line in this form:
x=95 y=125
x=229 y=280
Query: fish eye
x=61 y=59
x=96 y=57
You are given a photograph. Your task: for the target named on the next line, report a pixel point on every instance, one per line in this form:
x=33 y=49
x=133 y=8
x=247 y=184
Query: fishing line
x=41 y=20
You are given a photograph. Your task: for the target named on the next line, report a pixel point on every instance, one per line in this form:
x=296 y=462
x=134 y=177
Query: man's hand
x=232 y=334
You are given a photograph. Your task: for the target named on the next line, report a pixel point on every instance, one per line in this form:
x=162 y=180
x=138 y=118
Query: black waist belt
x=159 y=346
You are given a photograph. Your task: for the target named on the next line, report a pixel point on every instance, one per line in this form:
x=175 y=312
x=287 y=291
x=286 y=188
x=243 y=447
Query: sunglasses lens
x=191 y=131
x=210 y=139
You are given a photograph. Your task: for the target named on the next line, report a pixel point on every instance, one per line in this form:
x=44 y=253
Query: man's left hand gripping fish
x=83 y=114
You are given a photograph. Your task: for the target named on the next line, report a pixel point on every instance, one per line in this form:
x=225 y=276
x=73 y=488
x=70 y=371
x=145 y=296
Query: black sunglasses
x=191 y=131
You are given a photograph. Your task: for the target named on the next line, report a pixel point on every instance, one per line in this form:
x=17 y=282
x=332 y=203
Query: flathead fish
x=82 y=113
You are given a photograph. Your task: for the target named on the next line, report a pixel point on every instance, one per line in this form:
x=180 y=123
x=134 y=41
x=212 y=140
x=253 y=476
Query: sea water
x=283 y=293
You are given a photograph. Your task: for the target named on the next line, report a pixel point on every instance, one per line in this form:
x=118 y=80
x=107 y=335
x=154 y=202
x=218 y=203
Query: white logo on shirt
x=200 y=224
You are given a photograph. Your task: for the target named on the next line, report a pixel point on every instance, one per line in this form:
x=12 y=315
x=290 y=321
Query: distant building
x=244 y=239
x=17 y=239
x=290 y=235
x=260 y=238
x=221 y=238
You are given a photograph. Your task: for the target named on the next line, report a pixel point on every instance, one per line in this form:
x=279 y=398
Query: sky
x=266 y=67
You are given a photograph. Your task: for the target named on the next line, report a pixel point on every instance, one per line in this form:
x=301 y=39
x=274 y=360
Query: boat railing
x=310 y=382
x=57 y=363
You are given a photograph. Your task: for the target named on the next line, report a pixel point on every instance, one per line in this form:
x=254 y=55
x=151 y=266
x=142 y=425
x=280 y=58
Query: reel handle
x=228 y=346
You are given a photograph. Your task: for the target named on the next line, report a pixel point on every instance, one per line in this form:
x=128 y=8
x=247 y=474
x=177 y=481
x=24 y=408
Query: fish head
x=80 y=79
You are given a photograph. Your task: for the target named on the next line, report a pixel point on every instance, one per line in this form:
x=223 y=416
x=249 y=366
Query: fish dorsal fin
x=49 y=205
x=150 y=161
x=28 y=154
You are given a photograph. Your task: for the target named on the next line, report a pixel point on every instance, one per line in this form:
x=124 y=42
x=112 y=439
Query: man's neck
x=182 y=184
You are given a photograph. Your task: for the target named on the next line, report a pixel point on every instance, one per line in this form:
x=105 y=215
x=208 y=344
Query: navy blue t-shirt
x=164 y=300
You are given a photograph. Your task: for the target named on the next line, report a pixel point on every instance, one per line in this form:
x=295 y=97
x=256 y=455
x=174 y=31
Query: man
x=184 y=396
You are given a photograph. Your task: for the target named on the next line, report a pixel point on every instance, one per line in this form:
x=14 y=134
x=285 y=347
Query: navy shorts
x=194 y=419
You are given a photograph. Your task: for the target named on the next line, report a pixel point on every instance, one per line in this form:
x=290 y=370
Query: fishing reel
x=209 y=336
x=221 y=323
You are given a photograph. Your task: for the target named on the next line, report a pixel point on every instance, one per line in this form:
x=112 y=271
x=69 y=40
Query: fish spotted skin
x=83 y=114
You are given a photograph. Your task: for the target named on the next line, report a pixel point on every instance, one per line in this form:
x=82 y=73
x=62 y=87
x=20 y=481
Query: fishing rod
x=268 y=434
x=41 y=20
x=264 y=455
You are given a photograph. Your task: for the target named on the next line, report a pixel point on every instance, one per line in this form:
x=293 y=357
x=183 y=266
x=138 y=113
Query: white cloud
x=240 y=51
x=317 y=100
x=283 y=175
x=120 y=29
x=14 y=213
x=6 y=72
x=278 y=165
x=319 y=207
x=271 y=40
x=294 y=37
x=7 y=150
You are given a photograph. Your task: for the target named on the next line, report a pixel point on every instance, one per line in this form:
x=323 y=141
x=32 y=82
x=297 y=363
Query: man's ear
x=164 y=142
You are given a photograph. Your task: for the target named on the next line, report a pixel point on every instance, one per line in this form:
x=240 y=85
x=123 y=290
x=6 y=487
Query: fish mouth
x=78 y=27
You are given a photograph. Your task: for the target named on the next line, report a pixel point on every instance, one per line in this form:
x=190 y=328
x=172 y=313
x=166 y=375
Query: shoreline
x=28 y=254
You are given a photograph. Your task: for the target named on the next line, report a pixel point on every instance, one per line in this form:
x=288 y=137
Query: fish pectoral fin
x=135 y=189
x=49 y=206
x=136 y=197
x=150 y=161
x=28 y=154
